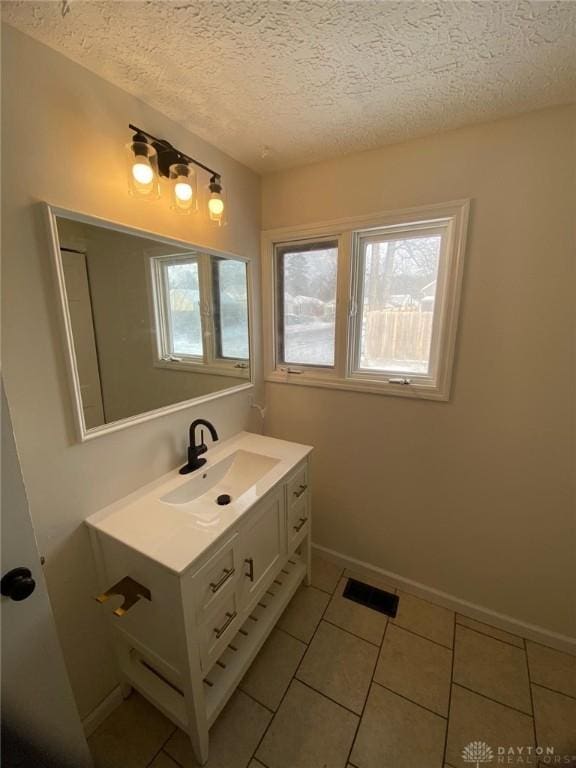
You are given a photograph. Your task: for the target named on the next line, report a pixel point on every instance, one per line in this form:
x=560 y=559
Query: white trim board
x=473 y=611
x=95 y=719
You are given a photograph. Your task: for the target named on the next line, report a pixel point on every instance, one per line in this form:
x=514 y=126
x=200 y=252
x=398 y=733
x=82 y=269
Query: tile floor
x=338 y=685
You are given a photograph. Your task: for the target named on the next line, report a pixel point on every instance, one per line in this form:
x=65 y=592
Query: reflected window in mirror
x=230 y=301
x=201 y=310
x=178 y=310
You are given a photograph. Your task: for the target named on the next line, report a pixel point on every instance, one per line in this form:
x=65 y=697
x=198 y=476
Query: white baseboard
x=101 y=712
x=478 y=612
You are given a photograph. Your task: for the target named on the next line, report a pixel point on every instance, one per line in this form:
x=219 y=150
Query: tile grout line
x=327 y=591
x=325 y=695
x=169 y=757
x=494 y=701
x=444 y=754
x=485 y=634
x=161 y=749
x=320 y=620
x=324 y=592
x=261 y=739
x=570 y=655
x=370 y=684
x=353 y=634
x=531 y=694
x=276 y=628
x=253 y=756
x=554 y=690
x=294 y=636
x=416 y=704
x=491 y=637
x=417 y=634
x=253 y=698
x=270 y=711
x=399 y=590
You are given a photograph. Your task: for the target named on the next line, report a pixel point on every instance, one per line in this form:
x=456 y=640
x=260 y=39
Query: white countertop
x=170 y=534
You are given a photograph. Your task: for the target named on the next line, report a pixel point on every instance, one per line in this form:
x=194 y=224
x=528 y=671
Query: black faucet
x=194 y=450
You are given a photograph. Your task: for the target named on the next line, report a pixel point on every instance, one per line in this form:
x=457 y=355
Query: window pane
x=398 y=297
x=308 y=304
x=232 y=303
x=184 y=308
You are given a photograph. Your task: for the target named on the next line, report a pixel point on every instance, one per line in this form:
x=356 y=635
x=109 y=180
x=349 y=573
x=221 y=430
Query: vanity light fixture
x=151 y=158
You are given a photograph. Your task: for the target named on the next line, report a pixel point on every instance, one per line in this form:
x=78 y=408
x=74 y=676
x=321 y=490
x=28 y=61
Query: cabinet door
x=263 y=548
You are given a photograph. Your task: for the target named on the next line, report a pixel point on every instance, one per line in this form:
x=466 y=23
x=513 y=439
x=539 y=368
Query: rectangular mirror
x=151 y=324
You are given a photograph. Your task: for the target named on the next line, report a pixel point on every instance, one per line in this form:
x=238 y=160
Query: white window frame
x=163 y=323
x=208 y=362
x=237 y=363
x=452 y=220
x=317 y=370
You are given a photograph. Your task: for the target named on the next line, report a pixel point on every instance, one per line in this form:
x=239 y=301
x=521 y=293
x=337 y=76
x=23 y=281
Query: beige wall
x=64 y=131
x=472 y=497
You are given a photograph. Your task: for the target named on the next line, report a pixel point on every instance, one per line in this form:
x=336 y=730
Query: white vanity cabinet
x=193 y=629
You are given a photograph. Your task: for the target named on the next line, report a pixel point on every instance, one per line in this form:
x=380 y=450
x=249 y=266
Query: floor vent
x=371 y=597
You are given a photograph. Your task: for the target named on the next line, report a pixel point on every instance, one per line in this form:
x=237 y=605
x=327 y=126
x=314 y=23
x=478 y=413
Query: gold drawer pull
x=299 y=492
x=224 y=627
x=215 y=585
x=303 y=520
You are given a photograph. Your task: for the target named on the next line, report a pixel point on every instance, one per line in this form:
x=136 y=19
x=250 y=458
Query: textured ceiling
x=276 y=84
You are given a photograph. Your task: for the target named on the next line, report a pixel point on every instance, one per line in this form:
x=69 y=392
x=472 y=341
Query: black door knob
x=17 y=584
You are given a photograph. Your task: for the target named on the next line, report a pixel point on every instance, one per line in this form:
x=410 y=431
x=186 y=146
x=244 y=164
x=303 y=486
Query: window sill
x=214 y=369
x=414 y=391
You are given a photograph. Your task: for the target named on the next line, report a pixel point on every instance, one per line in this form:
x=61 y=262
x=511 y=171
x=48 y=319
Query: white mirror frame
x=52 y=213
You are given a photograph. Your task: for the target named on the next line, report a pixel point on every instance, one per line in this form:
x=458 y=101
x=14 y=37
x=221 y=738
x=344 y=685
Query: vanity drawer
x=217 y=578
x=298 y=485
x=298 y=519
x=218 y=628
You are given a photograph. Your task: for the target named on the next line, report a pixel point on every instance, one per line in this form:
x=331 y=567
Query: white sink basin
x=174 y=519
x=231 y=476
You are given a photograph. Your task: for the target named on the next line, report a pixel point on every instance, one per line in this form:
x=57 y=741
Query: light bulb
x=216 y=206
x=183 y=191
x=142 y=173
x=141 y=169
x=215 y=201
x=182 y=188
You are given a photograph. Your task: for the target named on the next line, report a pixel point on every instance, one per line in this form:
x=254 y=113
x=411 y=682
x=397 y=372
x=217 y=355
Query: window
x=201 y=313
x=231 y=309
x=397 y=283
x=181 y=299
x=306 y=290
x=367 y=304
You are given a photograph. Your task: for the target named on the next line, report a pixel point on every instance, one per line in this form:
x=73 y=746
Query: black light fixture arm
x=167 y=155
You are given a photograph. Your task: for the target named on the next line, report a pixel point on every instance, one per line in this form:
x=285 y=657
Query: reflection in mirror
x=153 y=324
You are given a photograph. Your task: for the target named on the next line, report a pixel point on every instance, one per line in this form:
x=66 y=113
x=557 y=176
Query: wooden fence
x=398 y=334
